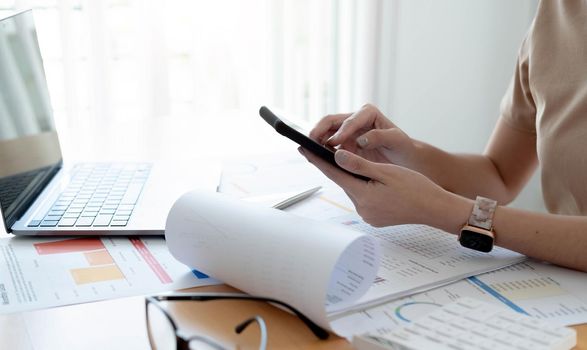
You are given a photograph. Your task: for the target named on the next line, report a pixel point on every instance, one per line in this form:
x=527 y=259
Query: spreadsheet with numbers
x=417 y=257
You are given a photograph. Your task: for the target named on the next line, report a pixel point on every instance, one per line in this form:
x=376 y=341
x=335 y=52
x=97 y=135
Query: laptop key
x=49 y=223
x=102 y=220
x=67 y=222
x=85 y=221
x=132 y=194
x=59 y=207
x=118 y=223
x=123 y=212
x=34 y=223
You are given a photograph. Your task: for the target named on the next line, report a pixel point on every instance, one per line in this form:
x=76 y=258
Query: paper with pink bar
x=47 y=272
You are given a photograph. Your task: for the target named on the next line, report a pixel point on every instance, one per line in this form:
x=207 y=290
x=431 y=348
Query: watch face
x=477 y=241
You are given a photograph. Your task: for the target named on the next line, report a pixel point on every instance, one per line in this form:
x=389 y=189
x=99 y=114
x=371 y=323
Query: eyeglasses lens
x=161 y=332
x=204 y=345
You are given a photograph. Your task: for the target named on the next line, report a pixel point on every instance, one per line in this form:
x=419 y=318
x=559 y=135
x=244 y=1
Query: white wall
x=452 y=61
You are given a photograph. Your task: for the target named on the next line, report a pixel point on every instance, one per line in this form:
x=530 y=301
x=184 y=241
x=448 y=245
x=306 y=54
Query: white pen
x=297 y=198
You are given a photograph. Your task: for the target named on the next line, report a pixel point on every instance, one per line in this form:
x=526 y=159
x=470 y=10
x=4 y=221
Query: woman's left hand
x=395 y=195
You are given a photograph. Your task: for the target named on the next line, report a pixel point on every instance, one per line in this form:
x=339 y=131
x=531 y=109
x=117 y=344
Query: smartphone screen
x=322 y=151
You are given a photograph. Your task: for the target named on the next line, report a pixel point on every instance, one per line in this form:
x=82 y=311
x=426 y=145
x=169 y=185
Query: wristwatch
x=477 y=233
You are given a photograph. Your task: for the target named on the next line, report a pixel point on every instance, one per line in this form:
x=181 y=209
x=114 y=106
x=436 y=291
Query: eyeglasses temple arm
x=263 y=328
x=318 y=331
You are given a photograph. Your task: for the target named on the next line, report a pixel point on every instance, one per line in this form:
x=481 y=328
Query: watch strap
x=482 y=215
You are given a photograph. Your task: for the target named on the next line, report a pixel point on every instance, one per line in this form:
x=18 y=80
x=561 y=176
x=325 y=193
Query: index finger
x=364 y=118
x=329 y=123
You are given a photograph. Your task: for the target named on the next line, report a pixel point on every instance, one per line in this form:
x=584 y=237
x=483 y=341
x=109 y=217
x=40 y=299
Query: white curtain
x=116 y=59
x=437 y=68
x=137 y=59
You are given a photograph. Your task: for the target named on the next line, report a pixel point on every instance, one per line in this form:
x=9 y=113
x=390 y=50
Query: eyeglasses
x=164 y=334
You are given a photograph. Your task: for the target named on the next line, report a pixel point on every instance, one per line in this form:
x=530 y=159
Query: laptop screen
x=29 y=148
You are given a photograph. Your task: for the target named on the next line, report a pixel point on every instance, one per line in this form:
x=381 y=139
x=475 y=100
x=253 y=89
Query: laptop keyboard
x=98 y=195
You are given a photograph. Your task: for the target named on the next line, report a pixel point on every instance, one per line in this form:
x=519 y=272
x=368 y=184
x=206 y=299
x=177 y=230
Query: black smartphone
x=286 y=130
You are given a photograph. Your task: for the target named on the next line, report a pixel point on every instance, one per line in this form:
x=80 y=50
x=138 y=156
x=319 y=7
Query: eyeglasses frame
x=183 y=342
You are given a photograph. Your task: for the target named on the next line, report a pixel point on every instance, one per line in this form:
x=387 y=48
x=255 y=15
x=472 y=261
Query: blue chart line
x=496 y=295
x=199 y=275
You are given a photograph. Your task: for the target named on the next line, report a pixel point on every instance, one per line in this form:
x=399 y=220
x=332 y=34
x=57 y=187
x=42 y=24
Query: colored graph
x=148 y=257
x=412 y=310
x=99 y=257
x=46 y=272
x=528 y=288
x=101 y=267
x=96 y=274
x=75 y=245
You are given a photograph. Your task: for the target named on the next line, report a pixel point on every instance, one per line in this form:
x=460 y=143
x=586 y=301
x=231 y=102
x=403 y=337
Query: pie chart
x=413 y=310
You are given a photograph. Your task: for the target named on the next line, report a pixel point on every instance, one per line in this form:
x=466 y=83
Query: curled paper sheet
x=315 y=266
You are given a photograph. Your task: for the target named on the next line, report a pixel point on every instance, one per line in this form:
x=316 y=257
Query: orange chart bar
x=99 y=257
x=96 y=274
x=69 y=246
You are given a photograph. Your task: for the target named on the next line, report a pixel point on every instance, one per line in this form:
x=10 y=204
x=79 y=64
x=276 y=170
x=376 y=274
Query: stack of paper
x=322 y=269
x=538 y=289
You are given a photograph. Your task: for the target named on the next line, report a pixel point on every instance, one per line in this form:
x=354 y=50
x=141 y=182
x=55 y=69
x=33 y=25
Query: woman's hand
x=367 y=133
x=395 y=195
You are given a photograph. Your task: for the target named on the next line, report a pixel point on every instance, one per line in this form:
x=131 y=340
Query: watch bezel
x=469 y=230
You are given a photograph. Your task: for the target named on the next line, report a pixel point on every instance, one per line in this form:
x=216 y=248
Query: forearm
x=465 y=174
x=558 y=239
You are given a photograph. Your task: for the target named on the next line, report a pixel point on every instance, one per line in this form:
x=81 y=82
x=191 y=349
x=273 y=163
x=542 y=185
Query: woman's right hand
x=367 y=133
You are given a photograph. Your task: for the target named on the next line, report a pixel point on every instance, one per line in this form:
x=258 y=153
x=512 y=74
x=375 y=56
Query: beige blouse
x=548 y=97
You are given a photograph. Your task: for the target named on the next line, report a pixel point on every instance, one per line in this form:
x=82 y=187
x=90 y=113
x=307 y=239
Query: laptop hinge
x=23 y=202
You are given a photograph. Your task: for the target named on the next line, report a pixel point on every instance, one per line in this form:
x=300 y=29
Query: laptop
x=42 y=195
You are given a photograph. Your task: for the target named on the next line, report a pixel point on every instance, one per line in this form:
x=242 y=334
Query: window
x=150 y=59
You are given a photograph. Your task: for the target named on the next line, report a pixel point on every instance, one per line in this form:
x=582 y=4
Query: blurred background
x=437 y=68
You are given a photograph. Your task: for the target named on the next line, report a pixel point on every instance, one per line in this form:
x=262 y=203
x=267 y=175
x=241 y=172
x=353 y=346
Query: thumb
x=358 y=165
x=387 y=138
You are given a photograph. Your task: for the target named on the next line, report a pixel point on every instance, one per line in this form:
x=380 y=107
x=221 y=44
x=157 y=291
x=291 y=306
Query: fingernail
x=341 y=156
x=301 y=150
x=362 y=141
x=331 y=138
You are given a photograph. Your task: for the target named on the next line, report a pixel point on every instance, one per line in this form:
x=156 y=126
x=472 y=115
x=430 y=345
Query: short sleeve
x=517 y=106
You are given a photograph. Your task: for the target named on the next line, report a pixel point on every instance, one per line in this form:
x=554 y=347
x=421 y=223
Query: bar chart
x=100 y=264
x=46 y=272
